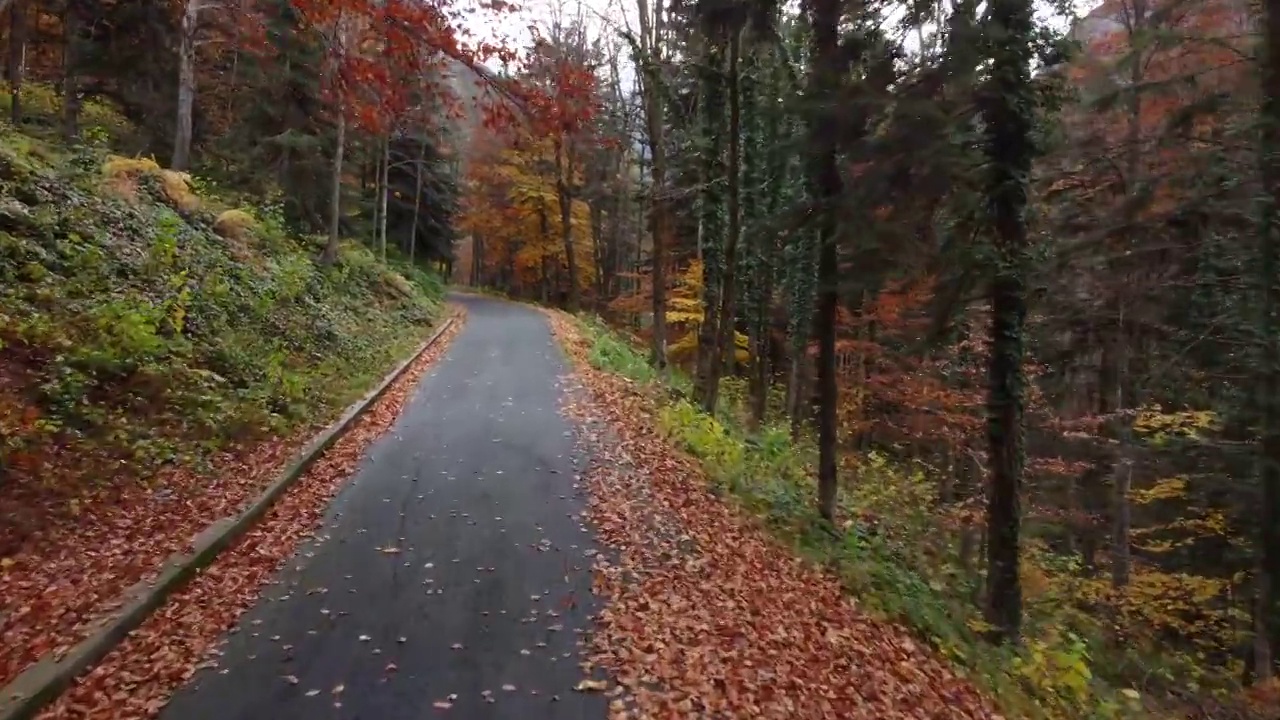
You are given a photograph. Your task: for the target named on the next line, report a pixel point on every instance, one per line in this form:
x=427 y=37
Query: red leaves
x=708 y=617
x=135 y=679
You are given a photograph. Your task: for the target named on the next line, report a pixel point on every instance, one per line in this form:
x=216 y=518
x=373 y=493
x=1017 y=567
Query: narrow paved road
x=454 y=568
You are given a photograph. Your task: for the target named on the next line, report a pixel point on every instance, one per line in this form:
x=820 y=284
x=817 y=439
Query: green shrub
x=150 y=338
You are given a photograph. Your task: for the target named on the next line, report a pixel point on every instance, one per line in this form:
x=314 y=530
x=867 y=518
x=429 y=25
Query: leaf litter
x=135 y=679
x=705 y=615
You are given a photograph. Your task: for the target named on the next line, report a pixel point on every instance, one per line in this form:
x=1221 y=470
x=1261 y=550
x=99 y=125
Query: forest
x=997 y=282
x=1003 y=274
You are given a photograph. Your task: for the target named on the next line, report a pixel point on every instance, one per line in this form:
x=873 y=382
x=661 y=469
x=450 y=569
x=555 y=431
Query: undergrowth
x=144 y=323
x=887 y=551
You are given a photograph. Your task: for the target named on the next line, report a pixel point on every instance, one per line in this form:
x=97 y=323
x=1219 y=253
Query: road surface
x=453 y=570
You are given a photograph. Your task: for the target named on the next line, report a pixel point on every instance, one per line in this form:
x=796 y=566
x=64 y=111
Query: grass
x=888 y=552
x=144 y=322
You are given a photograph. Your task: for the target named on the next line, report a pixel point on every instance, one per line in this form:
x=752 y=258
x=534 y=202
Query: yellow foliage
x=1172 y=488
x=235 y=225
x=1159 y=426
x=513 y=204
x=121 y=175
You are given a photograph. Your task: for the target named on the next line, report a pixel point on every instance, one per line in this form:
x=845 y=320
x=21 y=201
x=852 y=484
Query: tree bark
x=17 y=58
x=330 y=254
x=726 y=342
x=383 y=179
x=1269 y=357
x=564 y=194
x=827 y=186
x=1122 y=479
x=1007 y=114
x=181 y=159
x=71 y=25
x=659 y=220
x=417 y=196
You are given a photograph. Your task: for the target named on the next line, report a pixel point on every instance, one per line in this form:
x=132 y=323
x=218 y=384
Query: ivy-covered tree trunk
x=1269 y=332
x=1008 y=107
x=760 y=193
x=726 y=344
x=824 y=178
x=711 y=216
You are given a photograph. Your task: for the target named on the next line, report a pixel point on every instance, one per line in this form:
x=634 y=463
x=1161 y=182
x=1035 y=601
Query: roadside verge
x=45 y=680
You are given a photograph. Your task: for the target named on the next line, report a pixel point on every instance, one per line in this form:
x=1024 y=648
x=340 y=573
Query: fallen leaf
x=591 y=686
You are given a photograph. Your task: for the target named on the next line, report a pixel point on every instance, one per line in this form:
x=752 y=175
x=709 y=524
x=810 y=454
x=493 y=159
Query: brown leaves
x=706 y=615
x=136 y=678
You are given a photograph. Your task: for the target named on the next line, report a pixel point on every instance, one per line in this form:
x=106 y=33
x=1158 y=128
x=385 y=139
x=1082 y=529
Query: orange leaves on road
x=135 y=680
x=705 y=615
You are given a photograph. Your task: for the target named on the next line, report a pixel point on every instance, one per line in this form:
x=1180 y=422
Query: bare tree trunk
x=181 y=159
x=330 y=253
x=564 y=193
x=1122 y=479
x=651 y=38
x=382 y=198
x=17 y=57
x=417 y=196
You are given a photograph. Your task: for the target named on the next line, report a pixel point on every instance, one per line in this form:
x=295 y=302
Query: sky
x=610 y=16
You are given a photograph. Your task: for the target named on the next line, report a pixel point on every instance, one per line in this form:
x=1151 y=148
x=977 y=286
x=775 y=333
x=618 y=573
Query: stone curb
x=44 y=681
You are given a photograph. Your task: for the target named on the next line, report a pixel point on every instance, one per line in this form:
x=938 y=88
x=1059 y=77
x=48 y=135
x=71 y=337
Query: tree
x=825 y=187
x=1268 y=377
x=1007 y=114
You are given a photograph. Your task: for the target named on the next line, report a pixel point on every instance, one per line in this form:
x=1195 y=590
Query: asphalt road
x=454 y=568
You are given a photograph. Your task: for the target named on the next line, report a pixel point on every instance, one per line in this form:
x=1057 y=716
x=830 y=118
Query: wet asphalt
x=453 y=569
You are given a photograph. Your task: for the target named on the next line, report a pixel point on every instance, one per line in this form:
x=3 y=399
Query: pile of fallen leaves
x=705 y=615
x=137 y=677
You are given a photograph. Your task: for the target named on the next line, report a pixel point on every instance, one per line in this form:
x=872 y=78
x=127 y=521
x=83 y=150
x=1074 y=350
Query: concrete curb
x=44 y=681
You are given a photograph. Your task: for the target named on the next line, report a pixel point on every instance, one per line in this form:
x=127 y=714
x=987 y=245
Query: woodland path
x=453 y=569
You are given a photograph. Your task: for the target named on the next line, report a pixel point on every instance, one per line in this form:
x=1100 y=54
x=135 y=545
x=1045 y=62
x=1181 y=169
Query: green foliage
x=147 y=337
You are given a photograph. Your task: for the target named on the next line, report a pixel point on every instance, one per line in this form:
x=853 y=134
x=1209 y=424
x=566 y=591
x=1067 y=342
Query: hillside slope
x=160 y=354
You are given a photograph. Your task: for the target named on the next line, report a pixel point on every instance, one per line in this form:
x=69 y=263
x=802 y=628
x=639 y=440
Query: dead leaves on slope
x=135 y=680
x=705 y=616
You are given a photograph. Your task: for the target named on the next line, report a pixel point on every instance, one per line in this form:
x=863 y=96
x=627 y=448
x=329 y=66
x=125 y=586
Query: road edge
x=46 y=679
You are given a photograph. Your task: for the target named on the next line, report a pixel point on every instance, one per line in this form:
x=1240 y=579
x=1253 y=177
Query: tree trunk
x=417 y=196
x=651 y=37
x=726 y=342
x=1269 y=358
x=383 y=179
x=1008 y=117
x=330 y=254
x=1122 y=479
x=181 y=159
x=564 y=194
x=711 y=225
x=17 y=58
x=71 y=23
x=826 y=187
